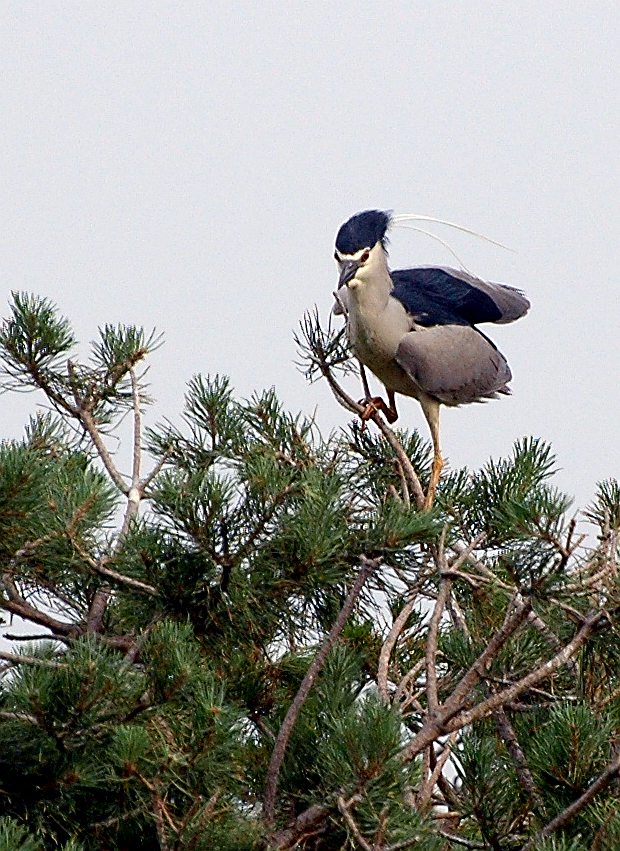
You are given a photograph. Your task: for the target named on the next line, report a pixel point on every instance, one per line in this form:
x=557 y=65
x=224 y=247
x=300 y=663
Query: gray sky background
x=186 y=166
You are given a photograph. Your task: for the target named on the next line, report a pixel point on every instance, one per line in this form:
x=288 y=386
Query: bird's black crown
x=363 y=231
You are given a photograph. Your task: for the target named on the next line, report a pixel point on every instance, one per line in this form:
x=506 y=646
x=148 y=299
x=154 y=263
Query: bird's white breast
x=376 y=325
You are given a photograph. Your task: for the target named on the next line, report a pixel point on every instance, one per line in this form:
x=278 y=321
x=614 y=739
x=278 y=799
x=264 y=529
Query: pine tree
x=258 y=639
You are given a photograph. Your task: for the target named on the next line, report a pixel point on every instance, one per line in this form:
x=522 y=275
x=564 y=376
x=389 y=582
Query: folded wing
x=440 y=295
x=455 y=363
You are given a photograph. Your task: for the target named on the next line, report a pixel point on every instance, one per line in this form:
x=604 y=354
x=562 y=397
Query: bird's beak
x=348 y=272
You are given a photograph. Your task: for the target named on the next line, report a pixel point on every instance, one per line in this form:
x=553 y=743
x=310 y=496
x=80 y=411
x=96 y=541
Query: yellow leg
x=431 y=412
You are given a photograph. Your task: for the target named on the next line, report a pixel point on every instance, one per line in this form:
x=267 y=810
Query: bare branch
x=507 y=732
x=96 y=612
x=100 y=568
x=91 y=427
x=507 y=695
x=16 y=605
x=137 y=429
x=403 y=483
x=19 y=716
x=277 y=757
x=426 y=790
x=403 y=459
x=146 y=481
x=432 y=698
x=388 y=647
x=305 y=824
x=460 y=840
x=343 y=398
x=409 y=676
x=136 y=584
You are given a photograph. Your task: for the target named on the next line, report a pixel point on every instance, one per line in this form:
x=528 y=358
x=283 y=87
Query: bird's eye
x=365 y=256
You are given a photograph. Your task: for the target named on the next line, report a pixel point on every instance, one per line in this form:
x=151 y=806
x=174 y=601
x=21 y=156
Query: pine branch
x=602 y=782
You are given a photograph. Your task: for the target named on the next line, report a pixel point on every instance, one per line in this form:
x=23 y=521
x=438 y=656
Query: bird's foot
x=376 y=405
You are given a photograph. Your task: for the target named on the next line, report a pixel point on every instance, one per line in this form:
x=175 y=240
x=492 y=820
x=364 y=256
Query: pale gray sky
x=186 y=166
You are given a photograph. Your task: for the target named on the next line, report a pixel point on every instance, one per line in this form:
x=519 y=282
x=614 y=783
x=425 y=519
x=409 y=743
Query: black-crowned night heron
x=415 y=328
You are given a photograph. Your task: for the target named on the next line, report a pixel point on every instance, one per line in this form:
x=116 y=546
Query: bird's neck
x=370 y=295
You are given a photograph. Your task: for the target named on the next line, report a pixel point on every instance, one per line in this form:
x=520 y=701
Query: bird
x=416 y=329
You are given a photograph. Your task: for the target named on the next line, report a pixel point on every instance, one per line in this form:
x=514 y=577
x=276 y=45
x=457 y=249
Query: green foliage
x=490 y=787
x=555 y=843
x=175 y=638
x=605 y=510
x=516 y=491
x=15 y=837
x=34 y=335
x=569 y=750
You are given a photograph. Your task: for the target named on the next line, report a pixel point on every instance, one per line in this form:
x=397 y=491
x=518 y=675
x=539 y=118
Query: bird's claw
x=376 y=405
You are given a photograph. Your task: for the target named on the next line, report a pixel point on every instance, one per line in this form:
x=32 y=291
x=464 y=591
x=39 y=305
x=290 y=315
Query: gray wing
x=511 y=302
x=455 y=363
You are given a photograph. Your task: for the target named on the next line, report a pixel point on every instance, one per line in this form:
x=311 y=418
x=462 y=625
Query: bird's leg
x=365 y=383
x=375 y=404
x=431 y=412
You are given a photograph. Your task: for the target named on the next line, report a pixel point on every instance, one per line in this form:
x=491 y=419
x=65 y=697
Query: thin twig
x=352 y=825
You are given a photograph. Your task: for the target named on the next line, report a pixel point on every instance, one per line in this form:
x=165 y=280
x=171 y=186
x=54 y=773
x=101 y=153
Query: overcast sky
x=186 y=166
